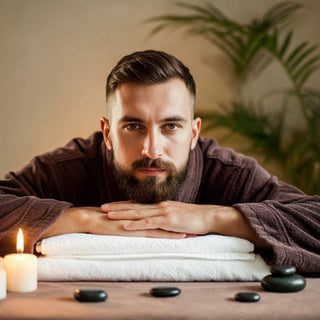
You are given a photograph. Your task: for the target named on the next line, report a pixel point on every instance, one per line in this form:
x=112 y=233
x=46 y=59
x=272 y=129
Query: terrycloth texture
x=77 y=257
x=90 y=244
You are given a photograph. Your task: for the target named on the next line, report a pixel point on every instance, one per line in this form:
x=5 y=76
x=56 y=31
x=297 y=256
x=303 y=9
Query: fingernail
x=105 y=206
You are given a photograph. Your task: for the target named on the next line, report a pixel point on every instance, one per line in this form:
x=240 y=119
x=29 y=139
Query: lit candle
x=3 y=281
x=21 y=269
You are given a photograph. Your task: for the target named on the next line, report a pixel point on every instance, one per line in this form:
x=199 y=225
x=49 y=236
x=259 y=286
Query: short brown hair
x=149 y=67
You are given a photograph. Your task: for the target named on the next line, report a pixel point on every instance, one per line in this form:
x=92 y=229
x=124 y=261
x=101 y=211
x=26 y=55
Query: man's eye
x=171 y=126
x=133 y=126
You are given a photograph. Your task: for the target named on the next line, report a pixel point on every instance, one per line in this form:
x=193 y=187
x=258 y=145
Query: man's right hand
x=92 y=220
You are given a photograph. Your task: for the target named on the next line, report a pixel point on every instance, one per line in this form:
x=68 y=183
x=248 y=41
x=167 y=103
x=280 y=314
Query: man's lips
x=151 y=171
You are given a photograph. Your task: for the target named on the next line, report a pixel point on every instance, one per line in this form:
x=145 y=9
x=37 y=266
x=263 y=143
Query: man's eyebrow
x=169 y=119
x=174 y=119
x=130 y=119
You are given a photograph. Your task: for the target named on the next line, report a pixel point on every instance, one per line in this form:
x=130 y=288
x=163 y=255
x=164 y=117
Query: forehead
x=161 y=100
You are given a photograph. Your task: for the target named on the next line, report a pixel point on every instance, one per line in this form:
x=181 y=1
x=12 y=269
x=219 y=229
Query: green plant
x=250 y=48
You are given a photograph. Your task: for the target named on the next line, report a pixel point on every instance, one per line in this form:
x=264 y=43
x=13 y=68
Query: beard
x=150 y=190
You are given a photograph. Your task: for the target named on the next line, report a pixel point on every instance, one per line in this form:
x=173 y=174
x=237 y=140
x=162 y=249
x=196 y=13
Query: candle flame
x=20 y=244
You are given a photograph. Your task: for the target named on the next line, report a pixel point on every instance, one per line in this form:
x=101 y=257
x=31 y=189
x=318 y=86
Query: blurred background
x=55 y=56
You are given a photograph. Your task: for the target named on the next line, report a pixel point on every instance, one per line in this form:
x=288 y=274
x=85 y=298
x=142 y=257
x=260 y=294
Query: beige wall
x=55 y=55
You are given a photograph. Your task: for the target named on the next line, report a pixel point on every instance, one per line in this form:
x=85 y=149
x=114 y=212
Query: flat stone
x=165 y=291
x=291 y=283
x=283 y=270
x=247 y=297
x=90 y=295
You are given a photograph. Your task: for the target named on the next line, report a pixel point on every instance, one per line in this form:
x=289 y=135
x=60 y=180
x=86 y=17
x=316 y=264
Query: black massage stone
x=283 y=279
x=282 y=270
x=90 y=295
x=247 y=297
x=165 y=291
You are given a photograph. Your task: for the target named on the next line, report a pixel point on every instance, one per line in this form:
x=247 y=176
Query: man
x=148 y=173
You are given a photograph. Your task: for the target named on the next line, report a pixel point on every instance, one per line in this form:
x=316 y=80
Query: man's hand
x=178 y=217
x=93 y=220
x=166 y=215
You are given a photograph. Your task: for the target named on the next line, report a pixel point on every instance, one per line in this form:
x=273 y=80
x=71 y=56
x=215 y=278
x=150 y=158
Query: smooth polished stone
x=90 y=294
x=247 y=297
x=291 y=283
x=165 y=291
x=283 y=270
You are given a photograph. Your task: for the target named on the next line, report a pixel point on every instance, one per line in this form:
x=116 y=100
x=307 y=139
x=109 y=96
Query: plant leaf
x=301 y=57
x=295 y=52
x=285 y=45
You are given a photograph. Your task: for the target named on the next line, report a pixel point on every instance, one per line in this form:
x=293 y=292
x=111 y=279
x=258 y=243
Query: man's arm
x=285 y=227
x=32 y=214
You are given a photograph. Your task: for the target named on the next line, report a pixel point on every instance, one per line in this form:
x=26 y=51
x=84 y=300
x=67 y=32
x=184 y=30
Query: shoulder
x=77 y=149
x=230 y=177
x=212 y=152
x=71 y=157
x=230 y=165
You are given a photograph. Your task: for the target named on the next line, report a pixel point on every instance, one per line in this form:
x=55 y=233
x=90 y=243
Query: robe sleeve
x=29 y=200
x=283 y=216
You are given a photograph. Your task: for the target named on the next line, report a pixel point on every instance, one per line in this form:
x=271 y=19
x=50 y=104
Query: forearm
x=73 y=220
x=229 y=221
x=31 y=214
x=293 y=238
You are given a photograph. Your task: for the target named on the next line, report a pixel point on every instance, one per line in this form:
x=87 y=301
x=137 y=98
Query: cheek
x=125 y=150
x=179 y=150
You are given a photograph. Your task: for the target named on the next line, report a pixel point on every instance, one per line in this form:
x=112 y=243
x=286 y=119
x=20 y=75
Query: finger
x=134 y=214
x=191 y=235
x=124 y=205
x=145 y=224
x=157 y=233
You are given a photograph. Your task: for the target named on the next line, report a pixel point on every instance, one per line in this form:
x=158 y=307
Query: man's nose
x=152 y=146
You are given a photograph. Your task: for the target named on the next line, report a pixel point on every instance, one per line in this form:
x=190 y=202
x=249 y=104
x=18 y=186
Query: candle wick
x=19 y=250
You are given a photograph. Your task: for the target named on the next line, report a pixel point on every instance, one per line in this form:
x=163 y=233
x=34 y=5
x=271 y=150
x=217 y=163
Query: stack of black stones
x=283 y=278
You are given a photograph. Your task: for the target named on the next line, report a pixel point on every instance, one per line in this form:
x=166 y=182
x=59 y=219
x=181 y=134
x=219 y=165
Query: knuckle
x=138 y=213
x=163 y=204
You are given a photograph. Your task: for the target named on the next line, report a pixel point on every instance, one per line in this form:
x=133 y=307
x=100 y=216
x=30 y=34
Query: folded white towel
x=62 y=269
x=89 y=244
x=79 y=257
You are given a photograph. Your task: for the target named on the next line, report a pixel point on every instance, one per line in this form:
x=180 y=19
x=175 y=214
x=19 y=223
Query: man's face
x=151 y=132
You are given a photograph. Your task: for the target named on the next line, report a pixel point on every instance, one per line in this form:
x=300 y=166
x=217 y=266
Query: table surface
x=131 y=300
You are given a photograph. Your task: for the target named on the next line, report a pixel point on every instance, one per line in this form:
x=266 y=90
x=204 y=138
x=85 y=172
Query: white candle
x=21 y=269
x=3 y=281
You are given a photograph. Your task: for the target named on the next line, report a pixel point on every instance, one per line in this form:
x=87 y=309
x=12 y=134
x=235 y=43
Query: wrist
x=229 y=221
x=73 y=220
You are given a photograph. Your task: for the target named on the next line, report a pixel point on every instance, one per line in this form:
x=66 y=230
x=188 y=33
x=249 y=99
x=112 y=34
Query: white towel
x=90 y=244
x=78 y=257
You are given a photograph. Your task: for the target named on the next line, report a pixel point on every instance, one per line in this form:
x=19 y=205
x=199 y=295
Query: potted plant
x=251 y=47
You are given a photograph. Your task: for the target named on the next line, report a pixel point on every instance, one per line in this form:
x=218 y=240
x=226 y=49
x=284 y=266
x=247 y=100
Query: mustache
x=149 y=163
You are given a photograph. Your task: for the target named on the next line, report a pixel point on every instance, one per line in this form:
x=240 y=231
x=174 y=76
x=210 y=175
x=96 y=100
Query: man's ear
x=105 y=128
x=196 y=127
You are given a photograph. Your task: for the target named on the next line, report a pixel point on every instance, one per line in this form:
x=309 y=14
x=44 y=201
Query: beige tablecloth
x=131 y=300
